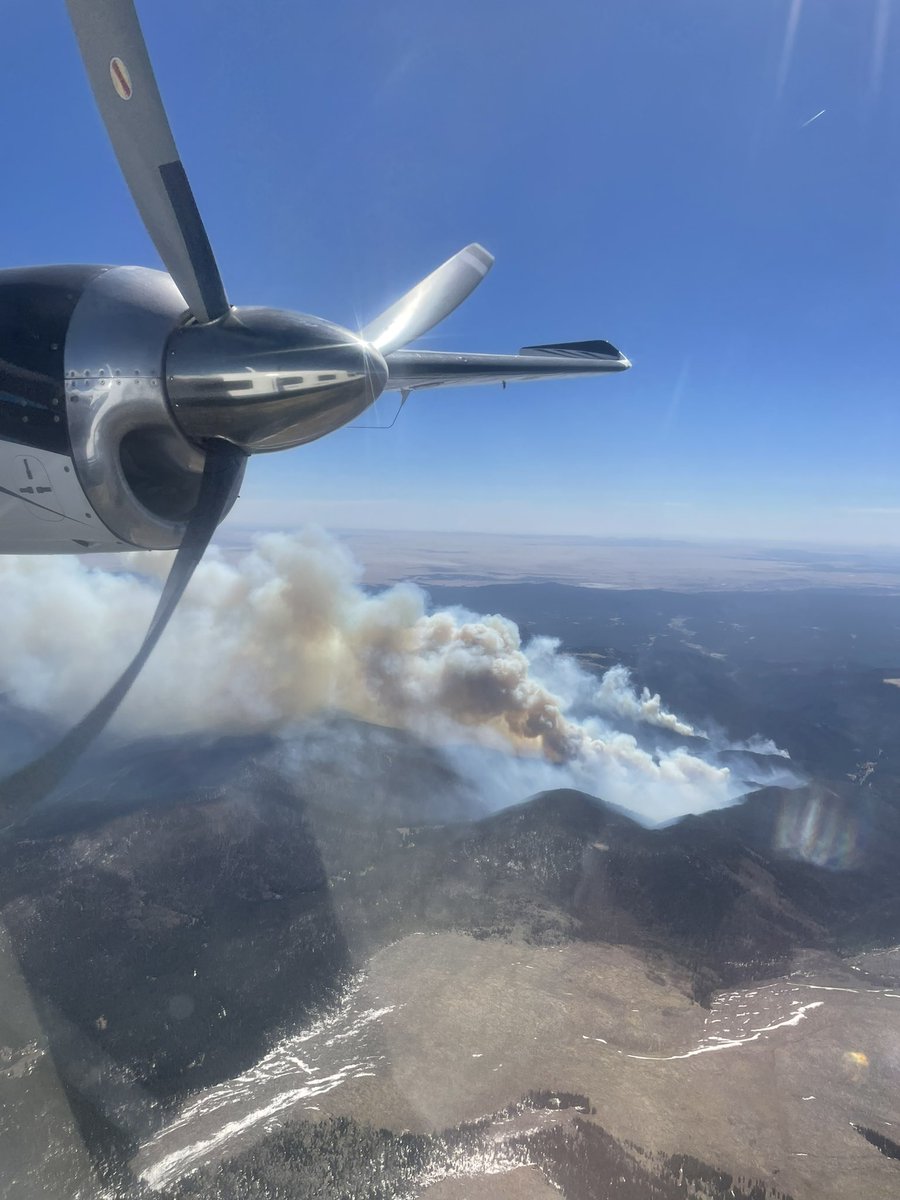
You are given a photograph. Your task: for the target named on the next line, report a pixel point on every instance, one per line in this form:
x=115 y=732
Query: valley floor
x=446 y=1028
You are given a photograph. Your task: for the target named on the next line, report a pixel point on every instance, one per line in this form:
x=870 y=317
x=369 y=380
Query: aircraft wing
x=414 y=369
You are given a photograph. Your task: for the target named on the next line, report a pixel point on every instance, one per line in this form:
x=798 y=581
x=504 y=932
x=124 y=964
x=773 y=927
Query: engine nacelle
x=91 y=457
x=139 y=471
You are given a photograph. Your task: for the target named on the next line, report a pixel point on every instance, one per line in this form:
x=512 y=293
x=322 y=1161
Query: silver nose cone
x=265 y=380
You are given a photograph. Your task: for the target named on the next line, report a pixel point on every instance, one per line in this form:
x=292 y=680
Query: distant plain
x=472 y=558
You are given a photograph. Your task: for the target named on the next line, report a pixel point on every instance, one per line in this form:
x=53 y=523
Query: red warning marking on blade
x=121 y=79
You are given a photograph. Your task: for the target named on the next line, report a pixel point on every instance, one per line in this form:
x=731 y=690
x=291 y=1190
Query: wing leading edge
x=414 y=369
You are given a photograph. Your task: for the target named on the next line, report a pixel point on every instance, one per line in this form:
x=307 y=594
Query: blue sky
x=642 y=171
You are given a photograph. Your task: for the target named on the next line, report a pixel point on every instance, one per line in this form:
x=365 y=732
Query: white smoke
x=616 y=697
x=761 y=745
x=287 y=631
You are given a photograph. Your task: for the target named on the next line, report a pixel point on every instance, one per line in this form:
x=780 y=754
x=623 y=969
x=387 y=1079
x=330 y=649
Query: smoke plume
x=287 y=631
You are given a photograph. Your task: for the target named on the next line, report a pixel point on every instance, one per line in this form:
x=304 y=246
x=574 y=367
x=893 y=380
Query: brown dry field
x=476 y=1024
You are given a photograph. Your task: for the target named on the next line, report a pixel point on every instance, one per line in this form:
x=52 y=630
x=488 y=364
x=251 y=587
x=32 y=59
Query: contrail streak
x=815 y=118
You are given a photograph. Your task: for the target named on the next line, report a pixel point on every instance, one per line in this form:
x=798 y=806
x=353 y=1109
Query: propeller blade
x=429 y=301
x=221 y=474
x=118 y=66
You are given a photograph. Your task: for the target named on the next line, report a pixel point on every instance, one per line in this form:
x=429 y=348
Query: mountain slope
x=258 y=891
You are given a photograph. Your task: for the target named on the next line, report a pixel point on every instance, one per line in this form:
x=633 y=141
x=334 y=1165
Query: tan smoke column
x=287 y=630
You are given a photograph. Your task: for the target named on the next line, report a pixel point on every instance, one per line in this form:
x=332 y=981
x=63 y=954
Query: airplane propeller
x=225 y=425
x=425 y=305
x=125 y=90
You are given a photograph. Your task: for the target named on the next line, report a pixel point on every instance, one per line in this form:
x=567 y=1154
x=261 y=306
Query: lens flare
x=879 y=46
x=856 y=1065
x=819 y=829
x=787 y=50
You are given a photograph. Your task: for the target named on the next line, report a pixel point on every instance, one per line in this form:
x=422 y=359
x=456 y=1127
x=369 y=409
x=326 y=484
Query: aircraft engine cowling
x=139 y=472
x=91 y=456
